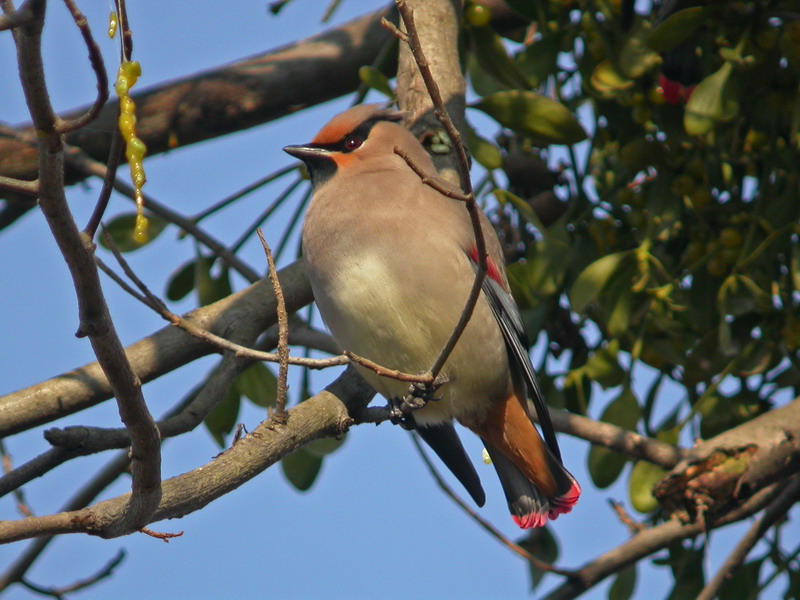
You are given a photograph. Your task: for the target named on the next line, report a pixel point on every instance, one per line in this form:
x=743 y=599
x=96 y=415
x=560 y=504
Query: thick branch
x=652 y=540
x=329 y=413
x=230 y=98
x=162 y=352
x=775 y=511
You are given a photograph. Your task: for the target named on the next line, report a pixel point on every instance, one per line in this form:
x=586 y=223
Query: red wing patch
x=492 y=272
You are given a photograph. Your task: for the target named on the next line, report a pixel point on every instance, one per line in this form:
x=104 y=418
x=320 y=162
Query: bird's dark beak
x=305 y=153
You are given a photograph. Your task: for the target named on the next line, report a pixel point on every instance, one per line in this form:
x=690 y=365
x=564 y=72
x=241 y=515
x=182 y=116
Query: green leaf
x=121 y=231
x=603 y=366
x=301 y=468
x=605 y=466
x=687 y=568
x=742 y=578
x=222 y=418
x=538 y=60
x=676 y=28
x=323 y=446
x=739 y=295
x=606 y=79
x=619 y=320
x=710 y=102
x=258 y=384
x=373 y=78
x=636 y=58
x=484 y=151
x=532 y=114
x=593 y=279
x=543 y=545
x=624 y=411
x=491 y=55
x=210 y=288
x=644 y=476
x=624 y=584
x=181 y=282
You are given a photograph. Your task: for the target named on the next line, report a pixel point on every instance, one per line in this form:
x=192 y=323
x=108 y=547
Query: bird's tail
x=536 y=484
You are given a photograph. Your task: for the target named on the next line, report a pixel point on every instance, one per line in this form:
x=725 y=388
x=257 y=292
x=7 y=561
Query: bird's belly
x=405 y=326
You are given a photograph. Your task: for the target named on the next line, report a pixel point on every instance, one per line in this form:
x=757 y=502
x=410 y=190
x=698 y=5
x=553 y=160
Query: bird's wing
x=507 y=314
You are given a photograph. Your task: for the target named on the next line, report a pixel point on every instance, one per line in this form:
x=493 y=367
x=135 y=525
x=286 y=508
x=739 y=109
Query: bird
x=391 y=262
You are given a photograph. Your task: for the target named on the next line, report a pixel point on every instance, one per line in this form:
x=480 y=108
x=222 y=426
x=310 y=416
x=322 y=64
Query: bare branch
x=114 y=158
x=18 y=18
x=254 y=90
x=775 y=511
x=58 y=592
x=91 y=167
x=629 y=443
x=118 y=465
x=95 y=320
x=652 y=540
x=249 y=310
x=98 y=66
x=283 y=330
x=488 y=527
x=413 y=40
x=149 y=299
x=424 y=378
x=30 y=188
x=326 y=414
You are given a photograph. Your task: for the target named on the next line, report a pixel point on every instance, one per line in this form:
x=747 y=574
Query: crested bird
x=391 y=262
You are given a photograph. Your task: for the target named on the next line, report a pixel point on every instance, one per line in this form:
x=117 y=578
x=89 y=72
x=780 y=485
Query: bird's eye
x=352 y=142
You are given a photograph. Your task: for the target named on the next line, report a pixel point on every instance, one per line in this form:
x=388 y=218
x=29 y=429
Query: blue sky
x=374 y=524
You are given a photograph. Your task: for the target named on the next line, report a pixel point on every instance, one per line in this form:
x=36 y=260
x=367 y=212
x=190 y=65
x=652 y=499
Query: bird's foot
x=400 y=414
x=419 y=394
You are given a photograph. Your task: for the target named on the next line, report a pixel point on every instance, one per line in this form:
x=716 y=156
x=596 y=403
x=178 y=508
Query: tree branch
x=329 y=413
x=95 y=320
x=775 y=511
x=251 y=309
x=652 y=540
x=229 y=98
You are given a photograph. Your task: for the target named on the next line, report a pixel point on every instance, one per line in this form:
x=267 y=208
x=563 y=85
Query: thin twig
x=98 y=66
x=423 y=378
x=19 y=495
x=149 y=299
x=58 y=592
x=160 y=535
x=125 y=34
x=440 y=111
x=632 y=524
x=488 y=527
x=114 y=158
x=243 y=192
x=81 y=161
x=105 y=477
x=775 y=511
x=31 y=188
x=283 y=330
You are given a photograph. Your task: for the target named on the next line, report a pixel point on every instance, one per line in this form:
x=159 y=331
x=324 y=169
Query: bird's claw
x=419 y=394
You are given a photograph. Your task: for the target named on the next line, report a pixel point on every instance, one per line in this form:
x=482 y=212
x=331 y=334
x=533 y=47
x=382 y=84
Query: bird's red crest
x=349 y=120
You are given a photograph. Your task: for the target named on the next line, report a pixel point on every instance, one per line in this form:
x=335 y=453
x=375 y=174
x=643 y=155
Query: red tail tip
x=530 y=520
x=564 y=503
